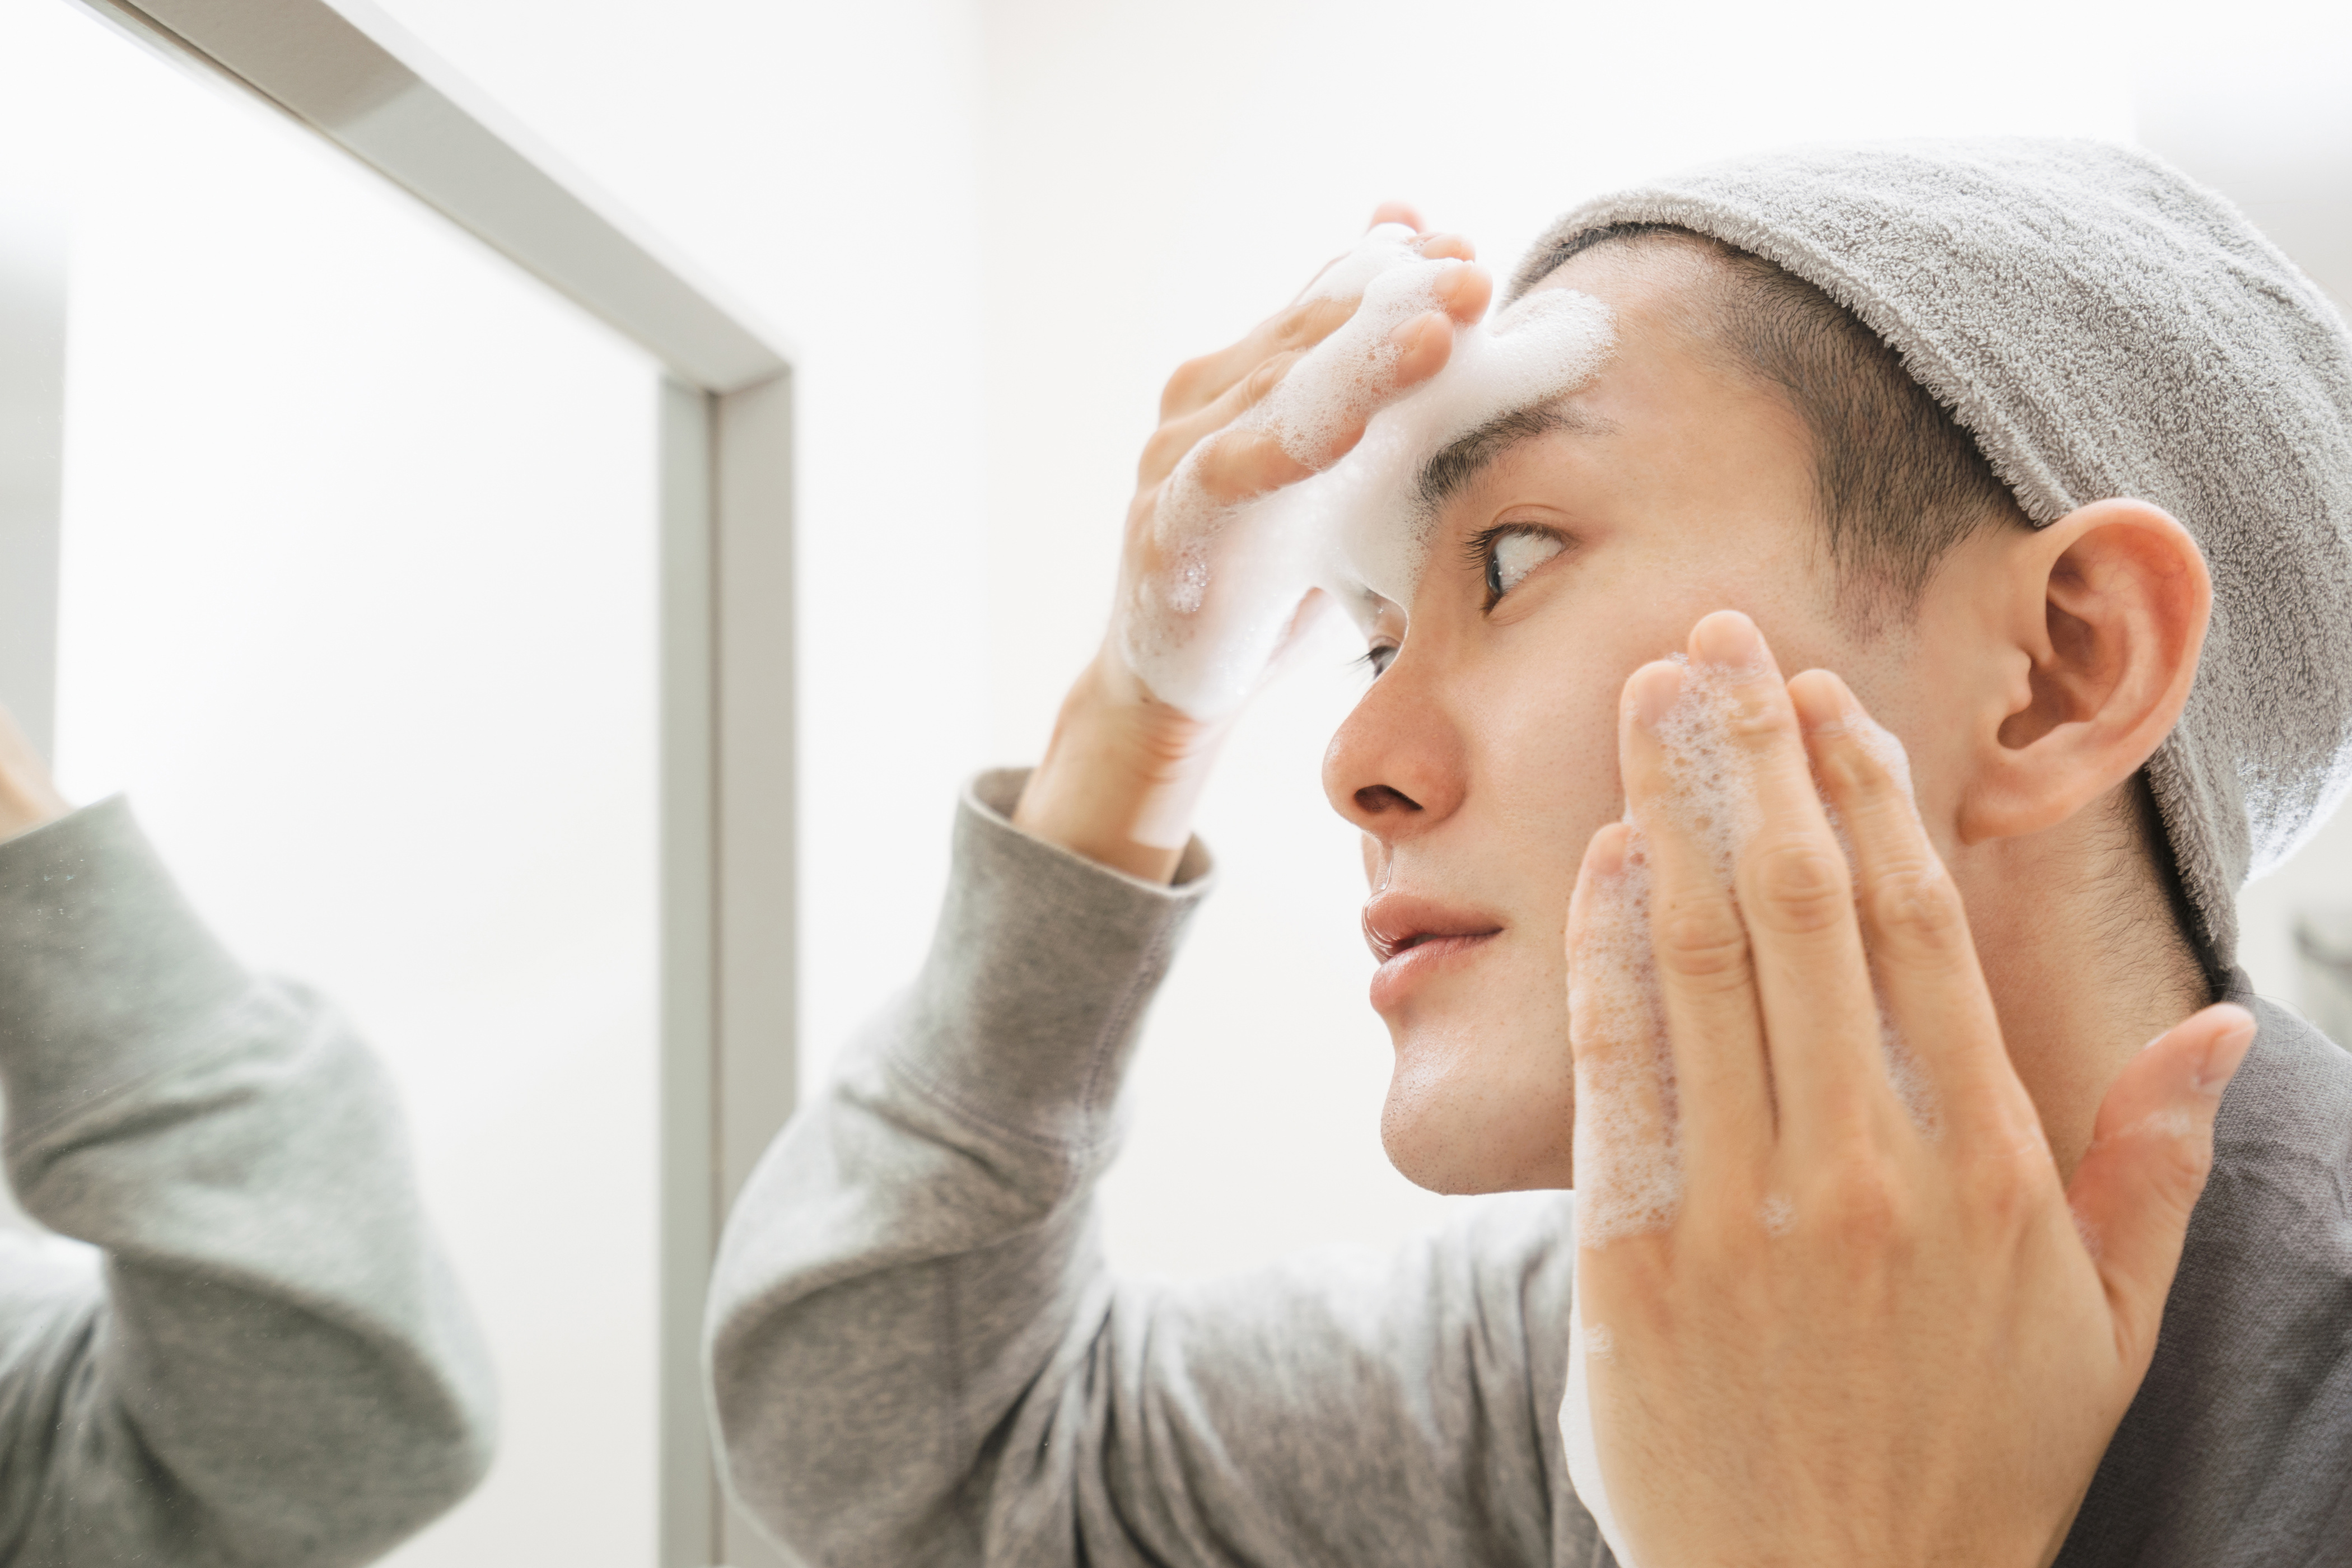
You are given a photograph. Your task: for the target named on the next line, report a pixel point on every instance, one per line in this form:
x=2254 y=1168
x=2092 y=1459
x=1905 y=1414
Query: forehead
x=1668 y=294
x=1673 y=399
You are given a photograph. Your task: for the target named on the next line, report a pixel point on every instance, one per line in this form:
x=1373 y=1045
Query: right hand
x=1123 y=770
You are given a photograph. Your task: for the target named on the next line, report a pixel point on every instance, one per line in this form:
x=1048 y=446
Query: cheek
x=1544 y=741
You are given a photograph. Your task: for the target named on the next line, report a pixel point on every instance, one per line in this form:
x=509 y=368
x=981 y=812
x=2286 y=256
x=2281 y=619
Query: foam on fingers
x=1708 y=798
x=1629 y=1171
x=1200 y=629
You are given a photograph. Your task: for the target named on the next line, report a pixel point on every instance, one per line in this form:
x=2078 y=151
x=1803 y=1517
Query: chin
x=1480 y=1106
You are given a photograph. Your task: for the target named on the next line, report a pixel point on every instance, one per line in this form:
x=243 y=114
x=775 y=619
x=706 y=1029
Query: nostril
x=1376 y=798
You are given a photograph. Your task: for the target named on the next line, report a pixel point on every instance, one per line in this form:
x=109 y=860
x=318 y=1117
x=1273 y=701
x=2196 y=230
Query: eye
x=1510 y=553
x=1377 y=658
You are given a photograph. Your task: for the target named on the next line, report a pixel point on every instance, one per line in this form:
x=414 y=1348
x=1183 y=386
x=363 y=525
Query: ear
x=2108 y=607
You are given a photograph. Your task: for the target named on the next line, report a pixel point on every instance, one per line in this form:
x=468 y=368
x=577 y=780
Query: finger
x=1293 y=329
x=1308 y=320
x=1446 y=248
x=1405 y=213
x=1624 y=1128
x=1433 y=247
x=2151 y=1148
x=1914 y=923
x=1796 y=895
x=1463 y=293
x=1714 y=1022
x=1242 y=460
x=1173 y=440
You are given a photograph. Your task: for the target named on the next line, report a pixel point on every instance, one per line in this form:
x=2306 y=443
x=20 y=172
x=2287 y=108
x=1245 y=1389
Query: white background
x=988 y=230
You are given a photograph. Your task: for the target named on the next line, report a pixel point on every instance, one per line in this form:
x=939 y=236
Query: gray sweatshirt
x=259 y=1358
x=919 y=1356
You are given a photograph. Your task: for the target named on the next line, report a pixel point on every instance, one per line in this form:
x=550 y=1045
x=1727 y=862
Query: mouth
x=1414 y=938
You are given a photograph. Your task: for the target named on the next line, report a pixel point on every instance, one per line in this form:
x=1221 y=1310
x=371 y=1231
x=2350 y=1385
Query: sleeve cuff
x=104 y=969
x=1027 y=1010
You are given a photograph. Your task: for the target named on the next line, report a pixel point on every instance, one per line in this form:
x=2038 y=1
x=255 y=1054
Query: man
x=1848 y=1336
x=249 y=1353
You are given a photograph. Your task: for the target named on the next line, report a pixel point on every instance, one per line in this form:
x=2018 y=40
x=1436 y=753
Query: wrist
x=1122 y=775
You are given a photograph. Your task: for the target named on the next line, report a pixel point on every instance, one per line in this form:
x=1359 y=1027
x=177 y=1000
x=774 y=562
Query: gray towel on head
x=2105 y=326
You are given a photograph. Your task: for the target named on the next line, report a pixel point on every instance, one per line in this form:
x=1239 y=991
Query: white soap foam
x=1355 y=529
x=1634 y=1182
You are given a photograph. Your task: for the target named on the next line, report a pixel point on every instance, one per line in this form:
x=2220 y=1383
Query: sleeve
x=919 y=1356
x=255 y=1355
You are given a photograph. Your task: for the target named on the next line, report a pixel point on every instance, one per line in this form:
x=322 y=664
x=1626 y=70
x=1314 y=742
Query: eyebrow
x=1461 y=460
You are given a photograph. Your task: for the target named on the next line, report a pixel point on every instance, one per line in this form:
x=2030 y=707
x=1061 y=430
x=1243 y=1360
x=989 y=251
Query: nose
x=1396 y=769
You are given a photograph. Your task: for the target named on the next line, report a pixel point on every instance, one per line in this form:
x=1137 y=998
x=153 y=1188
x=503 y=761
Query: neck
x=2085 y=959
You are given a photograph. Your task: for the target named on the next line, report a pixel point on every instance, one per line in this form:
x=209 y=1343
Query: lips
x=1413 y=937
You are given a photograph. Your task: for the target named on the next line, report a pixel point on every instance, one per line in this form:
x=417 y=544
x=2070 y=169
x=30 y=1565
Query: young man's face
x=1486 y=756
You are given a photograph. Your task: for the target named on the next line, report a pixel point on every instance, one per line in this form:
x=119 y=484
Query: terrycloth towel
x=2105 y=326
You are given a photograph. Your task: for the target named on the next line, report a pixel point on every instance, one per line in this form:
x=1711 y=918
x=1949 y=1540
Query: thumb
x=2151 y=1149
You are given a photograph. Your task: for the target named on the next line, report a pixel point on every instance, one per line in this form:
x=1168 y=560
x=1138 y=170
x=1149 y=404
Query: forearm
x=895 y=1282
x=912 y=1254
x=274 y=1366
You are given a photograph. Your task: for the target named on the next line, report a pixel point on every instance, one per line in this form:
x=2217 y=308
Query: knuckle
x=1185 y=387
x=2179 y=1152
x=1164 y=449
x=1866 y=1209
x=1311 y=322
x=1266 y=377
x=1915 y=904
x=1800 y=886
x=1241 y=465
x=1762 y=723
x=2002 y=1184
x=1852 y=771
x=1701 y=941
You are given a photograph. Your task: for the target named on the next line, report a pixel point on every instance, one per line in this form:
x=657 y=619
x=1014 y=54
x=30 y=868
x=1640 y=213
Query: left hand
x=1854 y=1341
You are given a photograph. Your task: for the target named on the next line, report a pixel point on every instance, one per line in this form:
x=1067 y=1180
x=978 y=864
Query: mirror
x=350 y=542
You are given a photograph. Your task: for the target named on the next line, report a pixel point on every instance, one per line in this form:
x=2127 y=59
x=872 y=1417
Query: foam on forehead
x=1356 y=528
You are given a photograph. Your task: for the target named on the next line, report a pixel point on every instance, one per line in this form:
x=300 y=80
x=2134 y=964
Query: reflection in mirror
x=346 y=531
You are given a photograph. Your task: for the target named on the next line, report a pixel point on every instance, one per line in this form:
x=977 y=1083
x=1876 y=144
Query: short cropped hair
x=1898 y=484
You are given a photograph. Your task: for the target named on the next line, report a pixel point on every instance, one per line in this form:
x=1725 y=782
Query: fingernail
x=1653 y=692
x=2222 y=1057
x=1729 y=640
x=1820 y=705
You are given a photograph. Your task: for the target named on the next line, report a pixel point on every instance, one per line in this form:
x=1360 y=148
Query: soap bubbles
x=1628 y=1179
x=1201 y=632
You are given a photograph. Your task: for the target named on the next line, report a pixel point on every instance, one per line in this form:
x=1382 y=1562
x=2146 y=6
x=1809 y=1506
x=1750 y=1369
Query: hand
x=28 y=799
x=1123 y=770
x=1854 y=1338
